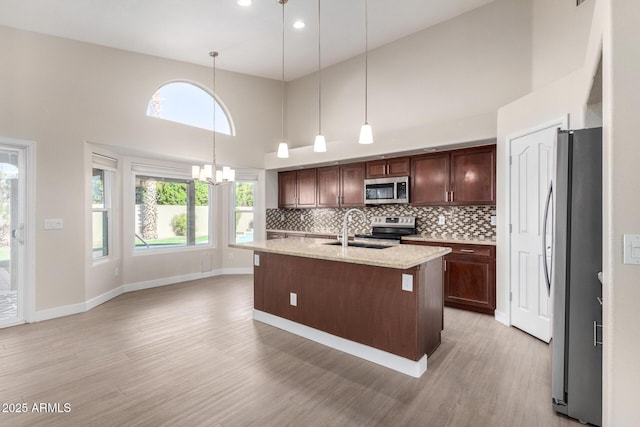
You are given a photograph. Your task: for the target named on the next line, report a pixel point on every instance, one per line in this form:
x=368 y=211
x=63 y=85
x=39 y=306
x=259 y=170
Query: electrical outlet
x=494 y=220
x=441 y=220
x=302 y=217
x=293 y=299
x=281 y=217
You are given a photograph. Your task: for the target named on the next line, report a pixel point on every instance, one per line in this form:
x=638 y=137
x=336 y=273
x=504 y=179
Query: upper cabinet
x=341 y=186
x=399 y=166
x=297 y=189
x=459 y=177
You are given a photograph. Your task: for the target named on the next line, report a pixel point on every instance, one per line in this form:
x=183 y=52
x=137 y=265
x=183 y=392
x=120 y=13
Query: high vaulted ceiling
x=248 y=38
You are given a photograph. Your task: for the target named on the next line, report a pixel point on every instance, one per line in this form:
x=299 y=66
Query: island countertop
x=397 y=256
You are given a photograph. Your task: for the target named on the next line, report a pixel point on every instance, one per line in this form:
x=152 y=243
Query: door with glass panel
x=12 y=234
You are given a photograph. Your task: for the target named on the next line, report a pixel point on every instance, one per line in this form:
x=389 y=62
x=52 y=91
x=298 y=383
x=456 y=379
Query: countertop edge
x=328 y=257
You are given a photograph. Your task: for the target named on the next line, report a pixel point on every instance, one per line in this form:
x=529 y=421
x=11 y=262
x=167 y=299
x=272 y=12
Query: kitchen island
x=383 y=305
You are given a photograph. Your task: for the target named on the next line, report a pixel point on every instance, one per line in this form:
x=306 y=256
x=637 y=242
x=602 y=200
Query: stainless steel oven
x=386 y=190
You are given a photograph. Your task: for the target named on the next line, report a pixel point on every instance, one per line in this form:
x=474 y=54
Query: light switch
x=293 y=299
x=256 y=260
x=53 y=224
x=407 y=282
x=441 y=220
x=632 y=248
x=494 y=220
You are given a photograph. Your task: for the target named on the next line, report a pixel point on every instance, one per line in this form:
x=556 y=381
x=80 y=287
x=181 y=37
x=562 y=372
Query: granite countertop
x=397 y=256
x=449 y=239
x=328 y=233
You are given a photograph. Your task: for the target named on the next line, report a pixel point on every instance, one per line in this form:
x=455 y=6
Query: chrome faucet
x=345 y=238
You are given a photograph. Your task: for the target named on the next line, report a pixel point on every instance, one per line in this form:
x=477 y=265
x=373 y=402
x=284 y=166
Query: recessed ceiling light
x=298 y=24
x=244 y=2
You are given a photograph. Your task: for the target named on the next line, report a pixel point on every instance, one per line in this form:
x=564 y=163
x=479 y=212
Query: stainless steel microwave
x=386 y=190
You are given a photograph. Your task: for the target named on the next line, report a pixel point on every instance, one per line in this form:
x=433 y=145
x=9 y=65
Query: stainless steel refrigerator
x=575 y=206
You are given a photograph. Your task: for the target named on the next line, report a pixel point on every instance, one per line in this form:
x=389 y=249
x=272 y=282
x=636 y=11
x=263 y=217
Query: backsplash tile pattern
x=463 y=222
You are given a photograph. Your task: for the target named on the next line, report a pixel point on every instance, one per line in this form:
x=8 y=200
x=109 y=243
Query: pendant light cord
x=283 y=85
x=319 y=78
x=214 y=54
x=366 y=60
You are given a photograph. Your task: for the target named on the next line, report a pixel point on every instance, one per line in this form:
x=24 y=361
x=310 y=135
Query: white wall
x=61 y=94
x=621 y=69
x=560 y=38
x=437 y=87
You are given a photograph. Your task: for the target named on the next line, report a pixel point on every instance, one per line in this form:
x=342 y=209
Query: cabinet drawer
x=473 y=250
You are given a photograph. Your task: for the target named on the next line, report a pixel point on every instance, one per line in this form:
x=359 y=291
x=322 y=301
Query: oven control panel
x=393 y=221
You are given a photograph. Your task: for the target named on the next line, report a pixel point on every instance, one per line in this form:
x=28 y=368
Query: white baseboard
x=237 y=271
x=101 y=299
x=502 y=317
x=386 y=359
x=147 y=284
x=68 y=310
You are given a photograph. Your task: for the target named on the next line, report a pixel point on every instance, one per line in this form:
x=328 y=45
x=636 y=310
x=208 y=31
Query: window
x=243 y=211
x=102 y=176
x=170 y=212
x=190 y=105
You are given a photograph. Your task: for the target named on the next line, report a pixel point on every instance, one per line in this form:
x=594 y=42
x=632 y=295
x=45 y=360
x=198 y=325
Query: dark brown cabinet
x=297 y=189
x=398 y=166
x=469 y=276
x=341 y=186
x=458 y=177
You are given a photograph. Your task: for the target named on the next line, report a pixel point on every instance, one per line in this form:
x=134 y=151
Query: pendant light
x=210 y=173
x=366 y=134
x=320 y=145
x=283 y=147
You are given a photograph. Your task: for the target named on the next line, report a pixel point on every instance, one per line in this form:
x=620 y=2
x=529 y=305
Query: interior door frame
x=561 y=122
x=27 y=256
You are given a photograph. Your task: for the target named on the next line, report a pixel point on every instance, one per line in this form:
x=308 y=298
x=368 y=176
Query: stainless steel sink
x=360 y=245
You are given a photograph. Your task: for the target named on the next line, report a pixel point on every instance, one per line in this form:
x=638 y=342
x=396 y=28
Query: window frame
x=216 y=102
x=233 y=208
x=108 y=180
x=179 y=175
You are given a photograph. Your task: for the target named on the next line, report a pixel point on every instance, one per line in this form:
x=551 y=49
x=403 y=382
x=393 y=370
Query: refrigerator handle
x=547 y=269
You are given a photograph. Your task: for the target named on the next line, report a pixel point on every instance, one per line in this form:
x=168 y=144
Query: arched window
x=189 y=104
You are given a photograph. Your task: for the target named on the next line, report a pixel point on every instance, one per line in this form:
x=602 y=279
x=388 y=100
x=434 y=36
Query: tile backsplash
x=464 y=222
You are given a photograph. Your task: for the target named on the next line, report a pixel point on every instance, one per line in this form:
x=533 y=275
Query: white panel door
x=531 y=171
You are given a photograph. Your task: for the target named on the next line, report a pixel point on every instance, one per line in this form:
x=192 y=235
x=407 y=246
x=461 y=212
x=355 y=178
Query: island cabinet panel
x=362 y=303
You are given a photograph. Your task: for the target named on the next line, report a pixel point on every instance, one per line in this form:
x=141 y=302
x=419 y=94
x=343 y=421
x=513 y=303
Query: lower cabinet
x=469 y=276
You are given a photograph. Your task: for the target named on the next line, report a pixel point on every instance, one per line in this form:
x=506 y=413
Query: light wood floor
x=190 y=354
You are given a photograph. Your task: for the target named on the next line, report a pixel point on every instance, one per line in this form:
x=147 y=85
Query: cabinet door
x=473 y=176
x=352 y=185
x=287 y=189
x=377 y=169
x=429 y=179
x=306 y=188
x=329 y=187
x=469 y=283
x=400 y=166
